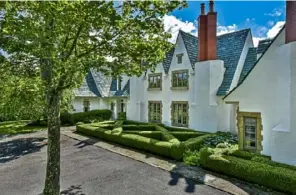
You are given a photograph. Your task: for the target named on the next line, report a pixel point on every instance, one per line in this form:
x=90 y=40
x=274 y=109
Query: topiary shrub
x=122 y=116
x=191 y=158
x=183 y=136
x=66 y=118
x=91 y=116
x=278 y=178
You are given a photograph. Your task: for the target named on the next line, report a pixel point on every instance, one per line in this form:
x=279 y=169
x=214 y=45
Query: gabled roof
x=167 y=60
x=88 y=88
x=229 y=49
x=245 y=77
x=263 y=45
x=96 y=84
x=250 y=61
x=125 y=91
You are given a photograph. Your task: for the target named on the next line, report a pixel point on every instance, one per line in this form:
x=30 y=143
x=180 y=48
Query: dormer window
x=179 y=58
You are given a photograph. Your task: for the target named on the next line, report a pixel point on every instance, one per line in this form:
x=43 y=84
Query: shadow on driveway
x=73 y=190
x=14 y=149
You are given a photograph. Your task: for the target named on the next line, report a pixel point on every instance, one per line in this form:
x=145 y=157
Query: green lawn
x=14 y=127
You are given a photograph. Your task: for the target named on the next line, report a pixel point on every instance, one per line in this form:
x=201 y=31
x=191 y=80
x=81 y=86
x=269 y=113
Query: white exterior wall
x=207 y=112
x=268 y=90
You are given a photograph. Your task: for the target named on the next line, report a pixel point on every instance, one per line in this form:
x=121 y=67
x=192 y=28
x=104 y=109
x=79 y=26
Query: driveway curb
x=232 y=186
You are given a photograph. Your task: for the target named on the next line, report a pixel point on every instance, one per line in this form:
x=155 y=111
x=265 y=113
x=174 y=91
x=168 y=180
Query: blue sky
x=264 y=18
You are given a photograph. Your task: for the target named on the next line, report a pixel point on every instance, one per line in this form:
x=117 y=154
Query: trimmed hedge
x=278 y=178
x=183 y=136
x=139 y=127
x=178 y=129
x=149 y=134
x=85 y=117
x=195 y=143
x=122 y=116
x=132 y=140
x=130 y=122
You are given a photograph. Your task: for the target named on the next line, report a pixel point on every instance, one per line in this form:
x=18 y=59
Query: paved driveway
x=86 y=170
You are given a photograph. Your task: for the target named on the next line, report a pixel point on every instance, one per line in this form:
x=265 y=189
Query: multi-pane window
x=179 y=58
x=154 y=111
x=180 y=114
x=86 y=105
x=250 y=131
x=154 y=81
x=180 y=78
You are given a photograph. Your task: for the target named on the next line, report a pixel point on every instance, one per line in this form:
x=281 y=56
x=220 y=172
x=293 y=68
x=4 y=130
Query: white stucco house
x=99 y=91
x=214 y=83
x=266 y=97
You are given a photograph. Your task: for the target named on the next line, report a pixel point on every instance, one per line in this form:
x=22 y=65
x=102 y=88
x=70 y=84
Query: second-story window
x=179 y=58
x=180 y=79
x=155 y=81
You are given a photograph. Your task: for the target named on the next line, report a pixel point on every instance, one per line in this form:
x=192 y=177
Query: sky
x=265 y=18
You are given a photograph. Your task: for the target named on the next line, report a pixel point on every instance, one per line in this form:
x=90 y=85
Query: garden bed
x=149 y=137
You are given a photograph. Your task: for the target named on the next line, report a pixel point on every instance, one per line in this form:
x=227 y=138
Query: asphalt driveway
x=86 y=170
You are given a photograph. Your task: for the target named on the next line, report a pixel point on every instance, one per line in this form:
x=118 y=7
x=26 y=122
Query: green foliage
x=183 y=136
x=139 y=127
x=196 y=143
x=132 y=140
x=191 y=158
x=221 y=137
x=149 y=134
x=91 y=116
x=122 y=116
x=278 y=178
x=66 y=118
x=178 y=129
x=15 y=127
x=130 y=122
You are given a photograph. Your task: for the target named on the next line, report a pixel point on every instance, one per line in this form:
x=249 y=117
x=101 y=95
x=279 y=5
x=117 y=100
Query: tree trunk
x=52 y=180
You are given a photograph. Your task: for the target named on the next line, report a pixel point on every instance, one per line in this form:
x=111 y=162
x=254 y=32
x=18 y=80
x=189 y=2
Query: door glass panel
x=250 y=129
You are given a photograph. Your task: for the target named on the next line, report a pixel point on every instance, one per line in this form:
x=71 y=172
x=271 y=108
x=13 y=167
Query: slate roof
x=88 y=88
x=250 y=61
x=263 y=45
x=229 y=49
x=125 y=91
x=167 y=60
x=113 y=86
x=96 y=84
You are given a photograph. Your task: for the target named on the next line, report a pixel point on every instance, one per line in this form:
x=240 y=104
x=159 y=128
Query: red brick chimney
x=290 y=21
x=207 y=38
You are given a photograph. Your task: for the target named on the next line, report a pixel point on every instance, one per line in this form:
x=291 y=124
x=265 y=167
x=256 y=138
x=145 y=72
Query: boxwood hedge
x=146 y=136
x=279 y=178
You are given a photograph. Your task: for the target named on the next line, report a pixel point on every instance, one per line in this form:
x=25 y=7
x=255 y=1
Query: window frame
x=186 y=87
x=159 y=103
x=155 y=75
x=84 y=105
x=178 y=103
x=179 y=58
x=241 y=116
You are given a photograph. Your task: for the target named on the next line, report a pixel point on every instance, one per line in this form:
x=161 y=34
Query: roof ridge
x=246 y=29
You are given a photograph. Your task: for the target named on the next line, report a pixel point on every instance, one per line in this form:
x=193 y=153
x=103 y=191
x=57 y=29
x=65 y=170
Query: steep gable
x=229 y=49
x=249 y=63
x=88 y=88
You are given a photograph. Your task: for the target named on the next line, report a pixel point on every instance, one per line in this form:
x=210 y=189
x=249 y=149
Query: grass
x=15 y=127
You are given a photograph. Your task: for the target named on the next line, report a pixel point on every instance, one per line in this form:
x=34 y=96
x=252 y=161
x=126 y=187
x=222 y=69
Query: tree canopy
x=57 y=42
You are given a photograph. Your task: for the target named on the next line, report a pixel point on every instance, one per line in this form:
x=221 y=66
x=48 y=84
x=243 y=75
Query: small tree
x=62 y=40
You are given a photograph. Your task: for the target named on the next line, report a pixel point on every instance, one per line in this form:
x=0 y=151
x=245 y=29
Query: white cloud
x=256 y=40
x=173 y=25
x=270 y=23
x=275 y=29
x=275 y=13
x=226 y=29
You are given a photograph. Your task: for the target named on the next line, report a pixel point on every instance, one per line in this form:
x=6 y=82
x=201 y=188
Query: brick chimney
x=290 y=21
x=207 y=38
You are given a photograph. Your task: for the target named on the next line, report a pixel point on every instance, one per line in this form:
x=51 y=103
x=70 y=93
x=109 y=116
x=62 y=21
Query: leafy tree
x=62 y=40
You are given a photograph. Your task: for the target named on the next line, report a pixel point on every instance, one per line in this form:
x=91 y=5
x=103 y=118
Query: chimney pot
x=211 y=6
x=202 y=9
